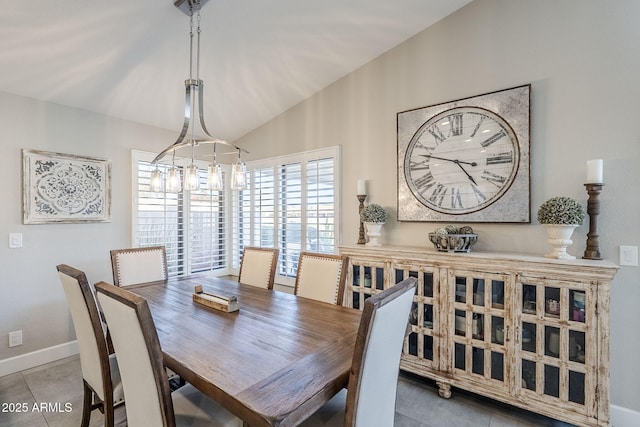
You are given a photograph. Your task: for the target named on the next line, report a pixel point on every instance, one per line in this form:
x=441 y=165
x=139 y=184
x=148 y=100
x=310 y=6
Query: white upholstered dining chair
x=321 y=277
x=150 y=401
x=370 y=397
x=100 y=373
x=258 y=266
x=132 y=266
x=138 y=265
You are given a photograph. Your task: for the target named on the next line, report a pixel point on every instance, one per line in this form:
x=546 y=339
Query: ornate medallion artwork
x=65 y=188
x=466 y=160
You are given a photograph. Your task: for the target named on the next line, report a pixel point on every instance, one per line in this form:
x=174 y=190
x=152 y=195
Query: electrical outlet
x=15 y=338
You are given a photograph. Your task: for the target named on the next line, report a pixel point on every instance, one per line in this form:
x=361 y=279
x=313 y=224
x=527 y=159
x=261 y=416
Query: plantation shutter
x=292 y=204
x=191 y=225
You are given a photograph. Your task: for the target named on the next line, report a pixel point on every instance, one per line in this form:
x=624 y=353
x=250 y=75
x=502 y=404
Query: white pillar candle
x=362 y=187
x=594 y=171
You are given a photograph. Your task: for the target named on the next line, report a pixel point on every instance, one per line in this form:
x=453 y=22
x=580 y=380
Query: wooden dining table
x=273 y=362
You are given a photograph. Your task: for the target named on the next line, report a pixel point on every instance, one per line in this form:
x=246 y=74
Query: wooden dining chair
x=150 y=401
x=132 y=266
x=321 y=277
x=258 y=266
x=370 y=397
x=100 y=373
x=139 y=265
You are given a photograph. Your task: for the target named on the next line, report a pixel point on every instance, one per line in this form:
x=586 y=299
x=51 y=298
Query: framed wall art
x=466 y=160
x=63 y=188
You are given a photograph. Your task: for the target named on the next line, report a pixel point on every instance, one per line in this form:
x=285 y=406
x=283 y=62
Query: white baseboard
x=623 y=417
x=37 y=358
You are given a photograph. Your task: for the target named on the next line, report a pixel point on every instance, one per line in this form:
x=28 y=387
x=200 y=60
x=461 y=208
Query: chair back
x=258 y=266
x=321 y=277
x=373 y=379
x=139 y=265
x=94 y=355
x=140 y=357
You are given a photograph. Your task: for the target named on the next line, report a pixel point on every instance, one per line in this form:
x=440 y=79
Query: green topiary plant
x=373 y=213
x=561 y=210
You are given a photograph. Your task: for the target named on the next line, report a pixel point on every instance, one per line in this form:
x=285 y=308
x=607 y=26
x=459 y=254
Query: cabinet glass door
x=363 y=280
x=552 y=334
x=479 y=328
x=424 y=318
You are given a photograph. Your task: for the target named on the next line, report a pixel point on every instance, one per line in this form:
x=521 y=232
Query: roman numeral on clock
x=455 y=124
x=424 y=182
x=480 y=197
x=475 y=129
x=420 y=165
x=456 y=199
x=494 y=178
x=487 y=142
x=437 y=134
x=500 y=158
x=437 y=196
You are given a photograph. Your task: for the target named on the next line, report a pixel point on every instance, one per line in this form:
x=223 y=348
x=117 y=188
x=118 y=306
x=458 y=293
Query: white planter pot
x=560 y=239
x=373 y=232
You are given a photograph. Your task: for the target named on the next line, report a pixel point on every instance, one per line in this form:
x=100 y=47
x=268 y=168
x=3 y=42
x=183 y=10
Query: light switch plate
x=629 y=256
x=15 y=240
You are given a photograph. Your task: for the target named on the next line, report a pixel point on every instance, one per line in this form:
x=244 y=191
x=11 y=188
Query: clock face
x=461 y=160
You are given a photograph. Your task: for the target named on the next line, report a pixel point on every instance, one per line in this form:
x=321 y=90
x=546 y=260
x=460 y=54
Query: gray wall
x=31 y=298
x=582 y=59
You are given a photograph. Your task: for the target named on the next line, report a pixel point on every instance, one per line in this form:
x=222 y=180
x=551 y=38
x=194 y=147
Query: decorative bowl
x=453 y=242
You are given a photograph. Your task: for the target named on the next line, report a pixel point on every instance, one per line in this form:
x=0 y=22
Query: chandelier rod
x=193 y=86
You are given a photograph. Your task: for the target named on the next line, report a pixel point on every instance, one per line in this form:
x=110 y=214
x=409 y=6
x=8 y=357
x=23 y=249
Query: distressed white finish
x=65 y=188
x=563 y=278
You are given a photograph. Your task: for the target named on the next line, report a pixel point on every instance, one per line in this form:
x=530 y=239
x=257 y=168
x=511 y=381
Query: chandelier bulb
x=214 y=178
x=191 y=180
x=174 y=184
x=155 y=183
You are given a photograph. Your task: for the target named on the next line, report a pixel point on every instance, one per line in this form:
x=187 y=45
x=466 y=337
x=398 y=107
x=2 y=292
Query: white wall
x=582 y=59
x=31 y=297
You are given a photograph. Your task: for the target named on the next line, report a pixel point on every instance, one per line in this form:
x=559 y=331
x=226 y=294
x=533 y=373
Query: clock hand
x=449 y=160
x=465 y=171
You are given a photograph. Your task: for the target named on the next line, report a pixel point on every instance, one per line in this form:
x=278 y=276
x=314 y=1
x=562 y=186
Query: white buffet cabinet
x=526 y=330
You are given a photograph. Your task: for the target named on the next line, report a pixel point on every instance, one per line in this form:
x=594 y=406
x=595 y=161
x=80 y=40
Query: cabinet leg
x=444 y=389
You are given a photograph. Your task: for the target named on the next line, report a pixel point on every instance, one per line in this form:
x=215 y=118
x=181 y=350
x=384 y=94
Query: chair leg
x=108 y=411
x=86 y=405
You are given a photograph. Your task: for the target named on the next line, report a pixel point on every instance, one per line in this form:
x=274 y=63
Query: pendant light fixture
x=214 y=174
x=194 y=130
x=239 y=175
x=155 y=183
x=173 y=178
x=191 y=179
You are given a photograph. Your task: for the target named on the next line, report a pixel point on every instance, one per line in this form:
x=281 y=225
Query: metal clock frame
x=513 y=204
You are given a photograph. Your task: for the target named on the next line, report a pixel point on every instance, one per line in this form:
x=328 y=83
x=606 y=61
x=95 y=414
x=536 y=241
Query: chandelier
x=194 y=130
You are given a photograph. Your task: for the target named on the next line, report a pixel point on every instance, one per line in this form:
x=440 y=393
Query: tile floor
x=418 y=403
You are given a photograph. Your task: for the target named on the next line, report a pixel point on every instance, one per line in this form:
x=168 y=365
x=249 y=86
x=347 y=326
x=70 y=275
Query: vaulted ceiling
x=129 y=59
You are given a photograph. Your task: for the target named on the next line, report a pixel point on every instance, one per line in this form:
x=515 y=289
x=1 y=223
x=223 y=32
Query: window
x=191 y=225
x=291 y=204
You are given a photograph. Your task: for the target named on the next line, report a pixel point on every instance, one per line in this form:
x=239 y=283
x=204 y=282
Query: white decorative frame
x=63 y=188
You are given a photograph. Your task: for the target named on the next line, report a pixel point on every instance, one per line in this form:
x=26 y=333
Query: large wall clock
x=466 y=160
